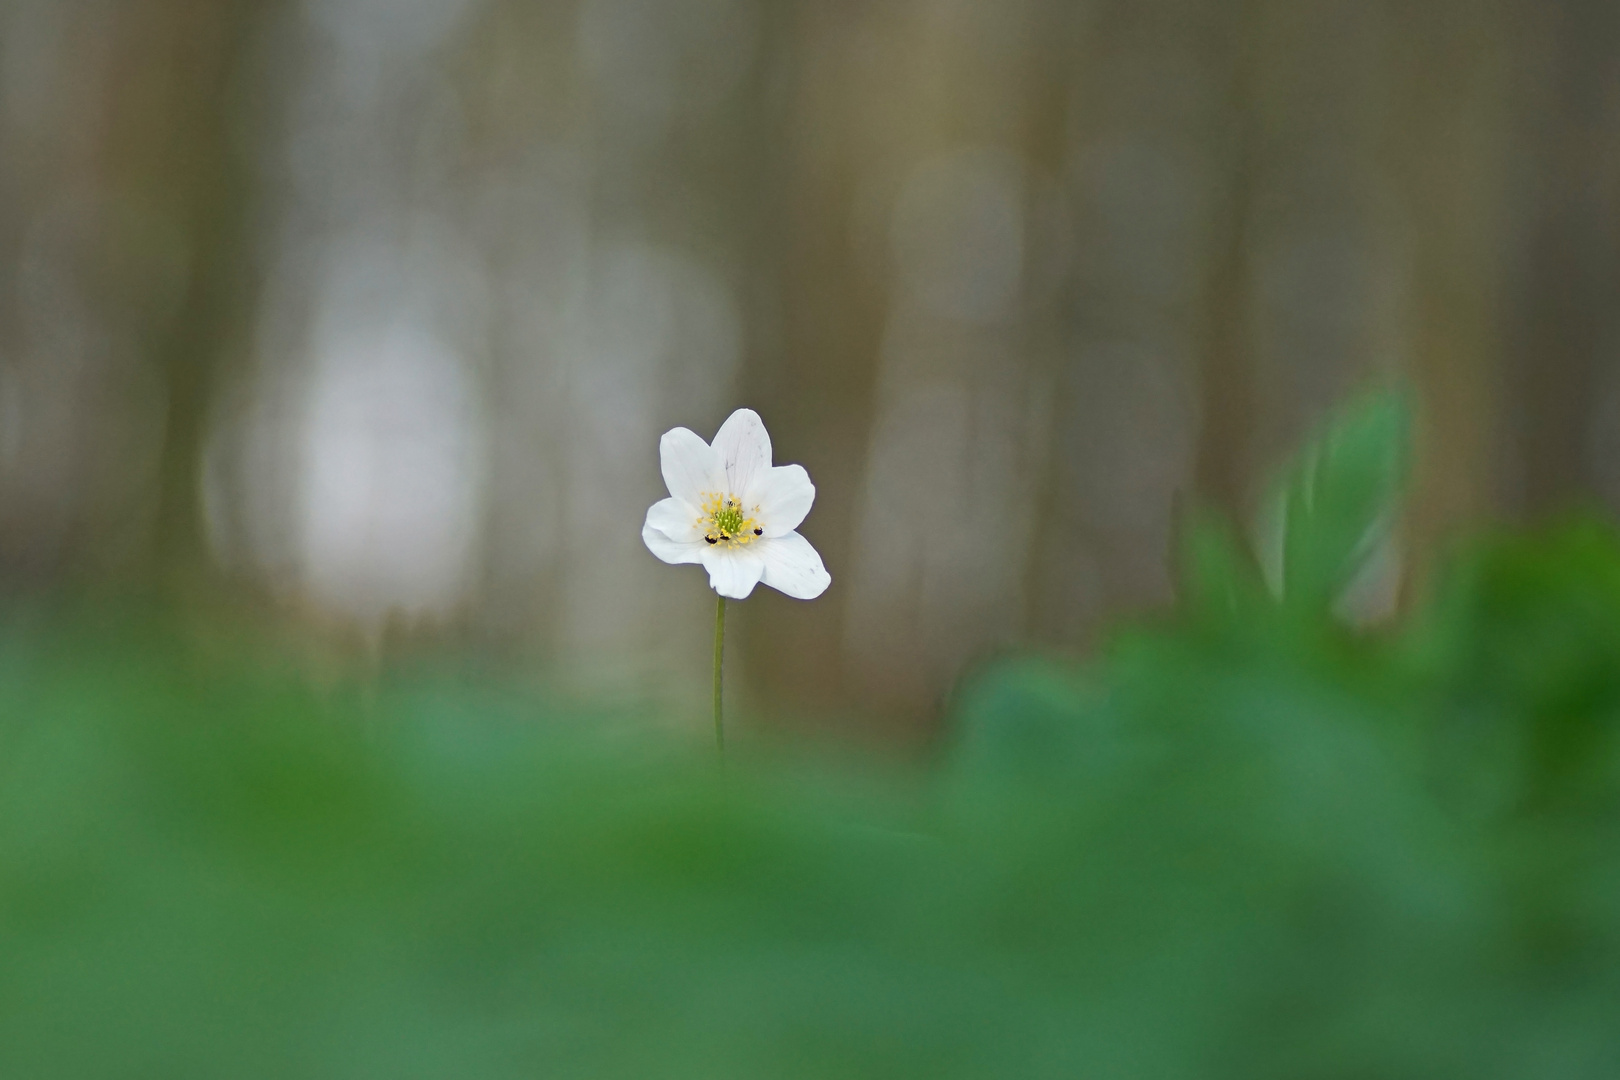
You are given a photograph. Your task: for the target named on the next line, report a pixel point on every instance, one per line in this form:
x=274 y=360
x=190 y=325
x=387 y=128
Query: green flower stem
x=719 y=652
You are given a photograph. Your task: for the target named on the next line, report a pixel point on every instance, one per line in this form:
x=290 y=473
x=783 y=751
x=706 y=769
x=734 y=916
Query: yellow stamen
x=725 y=521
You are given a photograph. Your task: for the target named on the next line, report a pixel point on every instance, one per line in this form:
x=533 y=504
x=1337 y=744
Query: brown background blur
x=370 y=312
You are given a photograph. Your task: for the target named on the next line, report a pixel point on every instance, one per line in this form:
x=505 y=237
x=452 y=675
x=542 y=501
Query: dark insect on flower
x=711 y=539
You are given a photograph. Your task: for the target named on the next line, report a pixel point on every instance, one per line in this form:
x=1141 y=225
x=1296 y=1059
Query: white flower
x=731 y=511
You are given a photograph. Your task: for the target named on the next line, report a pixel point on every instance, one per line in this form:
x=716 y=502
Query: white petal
x=744 y=449
x=676 y=519
x=690 y=466
x=784 y=496
x=671 y=551
x=733 y=572
x=794 y=567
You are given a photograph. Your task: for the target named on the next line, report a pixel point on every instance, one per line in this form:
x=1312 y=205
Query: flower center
x=724 y=521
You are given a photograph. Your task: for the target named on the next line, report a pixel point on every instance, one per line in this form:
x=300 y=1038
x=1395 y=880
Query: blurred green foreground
x=1244 y=842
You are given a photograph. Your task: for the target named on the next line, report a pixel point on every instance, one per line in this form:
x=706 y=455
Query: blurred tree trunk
x=177 y=145
x=1294 y=309
x=1145 y=407
x=1223 y=459
x=815 y=377
x=920 y=417
x=1564 y=331
x=1450 y=71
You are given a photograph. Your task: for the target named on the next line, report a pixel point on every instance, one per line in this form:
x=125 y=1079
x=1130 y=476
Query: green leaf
x=1217 y=575
x=1341 y=497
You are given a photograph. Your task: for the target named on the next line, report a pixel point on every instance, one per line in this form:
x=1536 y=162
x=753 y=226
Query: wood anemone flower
x=732 y=511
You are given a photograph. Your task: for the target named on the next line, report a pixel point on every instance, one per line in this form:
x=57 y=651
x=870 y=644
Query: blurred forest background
x=367 y=314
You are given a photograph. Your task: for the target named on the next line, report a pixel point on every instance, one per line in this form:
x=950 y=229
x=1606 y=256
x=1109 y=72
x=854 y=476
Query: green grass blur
x=1244 y=841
